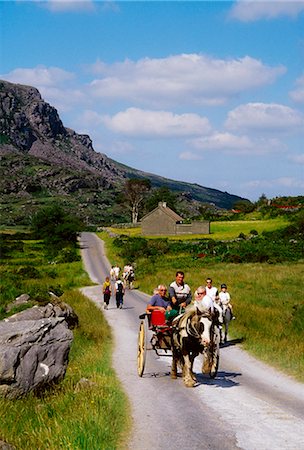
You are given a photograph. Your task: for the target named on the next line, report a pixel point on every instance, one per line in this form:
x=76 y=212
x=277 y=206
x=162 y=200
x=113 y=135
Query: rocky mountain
x=41 y=159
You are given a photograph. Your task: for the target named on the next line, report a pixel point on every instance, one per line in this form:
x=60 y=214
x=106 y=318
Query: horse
x=227 y=317
x=129 y=277
x=195 y=332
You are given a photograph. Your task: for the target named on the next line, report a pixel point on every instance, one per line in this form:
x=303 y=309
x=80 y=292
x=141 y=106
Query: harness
x=189 y=327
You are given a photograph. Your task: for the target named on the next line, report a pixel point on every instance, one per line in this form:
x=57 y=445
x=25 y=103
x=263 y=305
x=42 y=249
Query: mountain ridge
x=32 y=130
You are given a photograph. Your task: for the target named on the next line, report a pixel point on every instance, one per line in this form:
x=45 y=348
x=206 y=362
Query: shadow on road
x=231 y=342
x=223 y=379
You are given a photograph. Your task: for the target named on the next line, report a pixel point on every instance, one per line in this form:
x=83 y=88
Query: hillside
x=42 y=160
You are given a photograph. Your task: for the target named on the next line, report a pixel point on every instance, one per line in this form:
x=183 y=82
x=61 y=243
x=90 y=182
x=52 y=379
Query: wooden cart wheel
x=141 y=350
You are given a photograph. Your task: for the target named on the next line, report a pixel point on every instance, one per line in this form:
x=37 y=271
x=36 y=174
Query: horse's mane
x=191 y=317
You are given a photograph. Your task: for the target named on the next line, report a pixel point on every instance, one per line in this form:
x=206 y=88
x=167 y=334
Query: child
x=224 y=298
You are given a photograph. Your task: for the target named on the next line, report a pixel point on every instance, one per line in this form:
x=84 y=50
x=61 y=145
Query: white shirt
x=224 y=297
x=205 y=304
x=212 y=292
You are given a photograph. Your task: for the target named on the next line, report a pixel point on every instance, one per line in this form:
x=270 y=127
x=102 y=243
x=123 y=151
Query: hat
x=223 y=286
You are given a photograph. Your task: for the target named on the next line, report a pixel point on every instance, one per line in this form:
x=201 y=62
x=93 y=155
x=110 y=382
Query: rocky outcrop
x=60 y=309
x=34 y=348
x=30 y=125
x=33 y=355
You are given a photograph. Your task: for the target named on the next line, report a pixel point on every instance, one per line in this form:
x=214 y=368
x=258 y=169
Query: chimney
x=162 y=204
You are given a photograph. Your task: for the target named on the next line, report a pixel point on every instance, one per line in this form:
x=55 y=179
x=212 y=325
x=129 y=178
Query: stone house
x=164 y=221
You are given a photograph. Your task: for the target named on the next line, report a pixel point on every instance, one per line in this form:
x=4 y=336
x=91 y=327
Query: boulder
x=21 y=300
x=60 y=309
x=33 y=354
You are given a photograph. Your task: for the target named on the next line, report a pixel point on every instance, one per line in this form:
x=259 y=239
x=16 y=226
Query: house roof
x=166 y=210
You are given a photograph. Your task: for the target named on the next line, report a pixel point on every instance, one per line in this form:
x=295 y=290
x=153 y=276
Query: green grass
x=92 y=417
x=267 y=299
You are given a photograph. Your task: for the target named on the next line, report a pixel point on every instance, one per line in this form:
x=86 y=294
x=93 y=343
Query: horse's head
x=204 y=329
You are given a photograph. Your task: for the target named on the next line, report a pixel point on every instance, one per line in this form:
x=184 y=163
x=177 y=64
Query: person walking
x=106 y=289
x=119 y=293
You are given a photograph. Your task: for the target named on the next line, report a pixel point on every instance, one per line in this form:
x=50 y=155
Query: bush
x=28 y=272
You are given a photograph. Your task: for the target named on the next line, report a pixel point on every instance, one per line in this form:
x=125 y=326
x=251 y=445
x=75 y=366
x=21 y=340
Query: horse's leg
x=174 y=366
x=228 y=317
x=221 y=335
x=206 y=360
x=193 y=356
x=188 y=381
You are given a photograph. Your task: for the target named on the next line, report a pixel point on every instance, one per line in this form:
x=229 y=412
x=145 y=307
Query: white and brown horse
x=227 y=317
x=129 y=278
x=195 y=332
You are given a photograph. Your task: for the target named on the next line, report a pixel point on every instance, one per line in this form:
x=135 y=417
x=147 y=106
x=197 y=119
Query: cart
x=160 y=340
x=155 y=334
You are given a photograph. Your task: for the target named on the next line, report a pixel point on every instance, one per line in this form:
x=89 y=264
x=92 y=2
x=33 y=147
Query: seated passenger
x=225 y=299
x=202 y=301
x=180 y=296
x=159 y=301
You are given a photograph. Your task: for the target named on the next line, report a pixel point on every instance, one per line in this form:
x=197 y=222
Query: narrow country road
x=247 y=406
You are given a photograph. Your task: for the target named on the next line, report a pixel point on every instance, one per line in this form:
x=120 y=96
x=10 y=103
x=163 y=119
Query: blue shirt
x=157 y=300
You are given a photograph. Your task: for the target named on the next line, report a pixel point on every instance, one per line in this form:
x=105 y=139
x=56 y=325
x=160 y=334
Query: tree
x=162 y=194
x=58 y=229
x=135 y=191
x=244 y=206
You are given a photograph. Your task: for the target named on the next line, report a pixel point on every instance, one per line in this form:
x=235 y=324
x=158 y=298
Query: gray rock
x=59 y=309
x=6 y=446
x=22 y=299
x=33 y=355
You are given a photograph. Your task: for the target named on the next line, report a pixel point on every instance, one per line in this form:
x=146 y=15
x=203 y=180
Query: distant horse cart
x=188 y=335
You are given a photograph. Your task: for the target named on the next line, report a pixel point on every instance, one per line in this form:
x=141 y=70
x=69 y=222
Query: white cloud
x=234 y=144
x=247 y=11
x=297 y=94
x=299 y=159
x=181 y=79
x=265 y=117
x=190 y=156
x=289 y=182
x=39 y=76
x=222 y=141
x=53 y=83
x=155 y=124
x=69 y=5
x=90 y=118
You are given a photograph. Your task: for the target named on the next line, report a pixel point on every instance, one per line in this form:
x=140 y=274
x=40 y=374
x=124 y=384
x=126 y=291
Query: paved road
x=247 y=406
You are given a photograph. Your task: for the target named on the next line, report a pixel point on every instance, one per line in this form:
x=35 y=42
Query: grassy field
x=219 y=230
x=92 y=416
x=267 y=298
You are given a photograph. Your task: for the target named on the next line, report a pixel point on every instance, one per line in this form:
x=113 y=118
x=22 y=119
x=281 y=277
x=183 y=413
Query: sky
x=207 y=92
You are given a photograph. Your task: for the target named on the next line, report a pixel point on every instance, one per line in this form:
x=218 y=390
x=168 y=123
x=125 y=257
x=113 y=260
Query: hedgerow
x=271 y=247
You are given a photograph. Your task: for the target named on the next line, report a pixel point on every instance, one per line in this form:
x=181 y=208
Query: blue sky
x=209 y=92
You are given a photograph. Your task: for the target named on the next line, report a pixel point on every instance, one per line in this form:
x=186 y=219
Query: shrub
x=28 y=272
